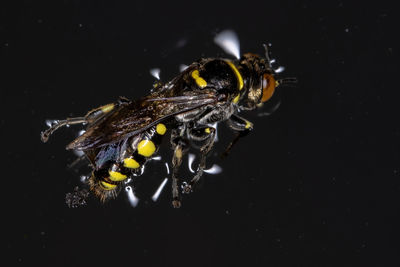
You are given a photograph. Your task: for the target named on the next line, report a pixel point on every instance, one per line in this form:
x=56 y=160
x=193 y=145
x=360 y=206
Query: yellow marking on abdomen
x=131 y=163
x=107 y=186
x=207 y=130
x=237 y=74
x=116 y=176
x=146 y=148
x=161 y=129
x=107 y=108
x=200 y=81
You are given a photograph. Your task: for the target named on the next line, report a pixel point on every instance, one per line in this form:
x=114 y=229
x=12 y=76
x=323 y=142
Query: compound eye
x=268 y=87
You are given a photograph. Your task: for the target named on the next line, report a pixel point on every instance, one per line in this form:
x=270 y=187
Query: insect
x=122 y=136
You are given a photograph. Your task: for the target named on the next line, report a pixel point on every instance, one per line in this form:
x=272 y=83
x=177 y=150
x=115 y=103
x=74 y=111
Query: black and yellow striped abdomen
x=104 y=182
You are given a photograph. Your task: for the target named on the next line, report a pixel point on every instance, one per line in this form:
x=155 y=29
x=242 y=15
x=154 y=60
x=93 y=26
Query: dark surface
x=316 y=184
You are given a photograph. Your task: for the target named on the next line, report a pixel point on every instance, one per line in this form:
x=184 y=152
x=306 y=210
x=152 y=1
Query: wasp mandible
x=122 y=136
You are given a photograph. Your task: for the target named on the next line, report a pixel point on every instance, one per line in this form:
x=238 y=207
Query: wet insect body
x=121 y=137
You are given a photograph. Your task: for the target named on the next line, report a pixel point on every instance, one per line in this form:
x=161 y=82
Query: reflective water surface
x=315 y=184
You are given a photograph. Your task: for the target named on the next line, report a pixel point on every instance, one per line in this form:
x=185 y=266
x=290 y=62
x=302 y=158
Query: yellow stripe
x=200 y=81
x=107 y=186
x=131 y=163
x=237 y=73
x=146 y=148
x=207 y=130
x=116 y=176
x=161 y=129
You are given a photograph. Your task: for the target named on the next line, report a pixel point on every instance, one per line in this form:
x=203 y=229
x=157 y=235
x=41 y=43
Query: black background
x=315 y=184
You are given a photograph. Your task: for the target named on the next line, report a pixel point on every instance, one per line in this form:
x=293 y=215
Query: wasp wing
x=100 y=156
x=137 y=116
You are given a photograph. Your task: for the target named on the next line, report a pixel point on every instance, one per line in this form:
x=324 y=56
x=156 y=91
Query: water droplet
x=159 y=190
x=279 y=69
x=191 y=158
x=156 y=158
x=215 y=169
x=155 y=73
x=183 y=67
x=133 y=200
x=229 y=42
x=51 y=123
x=167 y=166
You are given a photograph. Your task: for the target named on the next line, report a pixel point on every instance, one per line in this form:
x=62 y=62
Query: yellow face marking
x=161 y=129
x=107 y=186
x=131 y=163
x=236 y=99
x=207 y=130
x=237 y=73
x=248 y=125
x=200 y=81
x=116 y=176
x=146 y=148
x=107 y=108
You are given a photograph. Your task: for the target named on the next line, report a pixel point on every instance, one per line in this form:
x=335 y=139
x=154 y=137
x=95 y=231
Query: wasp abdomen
x=104 y=182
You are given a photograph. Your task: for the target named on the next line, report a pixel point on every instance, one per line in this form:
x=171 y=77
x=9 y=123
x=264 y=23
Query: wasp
x=122 y=136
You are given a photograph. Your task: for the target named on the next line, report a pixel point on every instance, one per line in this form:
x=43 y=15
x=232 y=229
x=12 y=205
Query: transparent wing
x=138 y=116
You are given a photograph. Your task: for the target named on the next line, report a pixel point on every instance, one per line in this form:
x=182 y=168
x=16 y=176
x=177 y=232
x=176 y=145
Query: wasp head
x=261 y=79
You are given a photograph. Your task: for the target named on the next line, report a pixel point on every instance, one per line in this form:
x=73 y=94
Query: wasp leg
x=180 y=146
x=78 y=160
x=206 y=134
x=242 y=126
x=69 y=121
x=90 y=117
